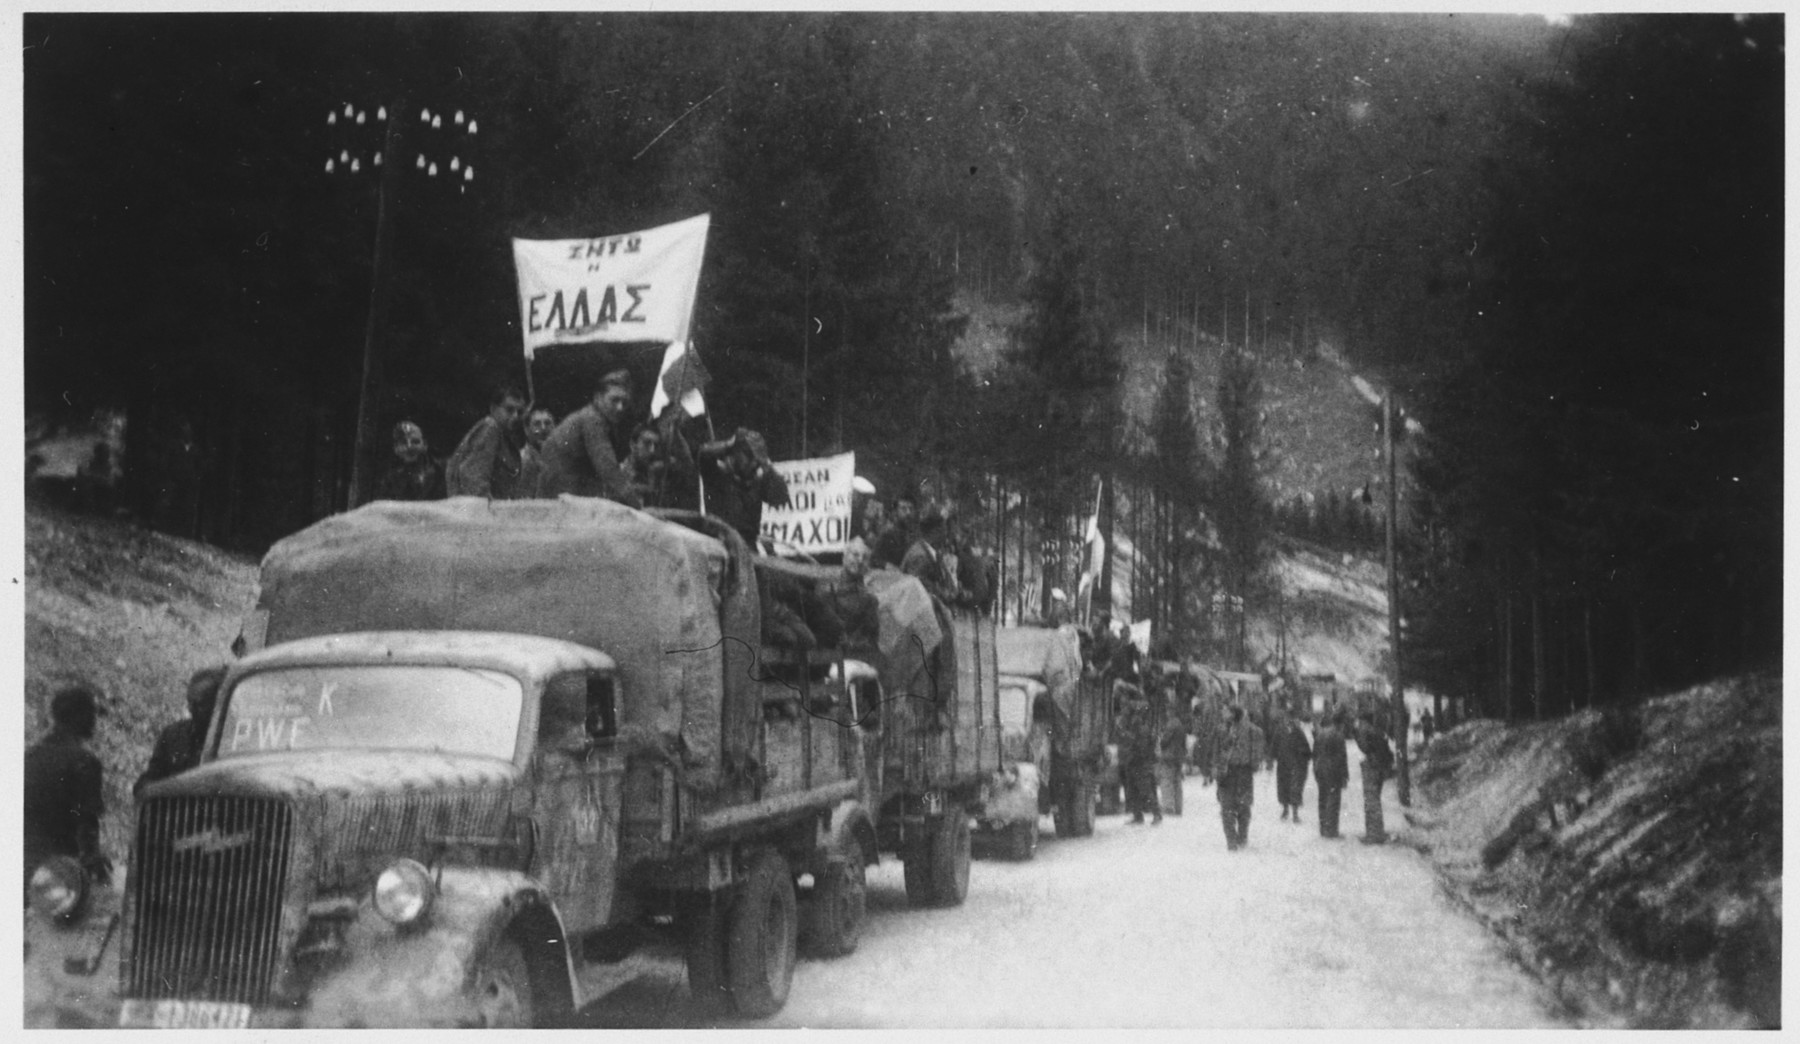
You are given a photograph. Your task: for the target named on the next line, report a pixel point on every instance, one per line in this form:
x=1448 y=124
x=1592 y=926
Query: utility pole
x=1403 y=787
x=384 y=162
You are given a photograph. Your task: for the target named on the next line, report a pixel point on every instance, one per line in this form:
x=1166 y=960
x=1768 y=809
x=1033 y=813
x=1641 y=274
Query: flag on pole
x=682 y=380
x=1093 y=555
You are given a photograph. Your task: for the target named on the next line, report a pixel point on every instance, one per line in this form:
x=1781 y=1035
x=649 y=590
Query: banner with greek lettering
x=638 y=286
x=817 y=517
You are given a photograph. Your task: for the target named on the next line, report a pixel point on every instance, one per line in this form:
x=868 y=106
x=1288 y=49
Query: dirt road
x=1155 y=926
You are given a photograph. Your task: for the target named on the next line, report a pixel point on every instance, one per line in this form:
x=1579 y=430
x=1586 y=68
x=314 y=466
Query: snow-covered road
x=1156 y=926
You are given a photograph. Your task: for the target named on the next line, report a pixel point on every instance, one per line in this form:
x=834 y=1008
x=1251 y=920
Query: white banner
x=639 y=286
x=817 y=517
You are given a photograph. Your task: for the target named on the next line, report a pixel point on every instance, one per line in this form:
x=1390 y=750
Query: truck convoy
x=484 y=743
x=474 y=749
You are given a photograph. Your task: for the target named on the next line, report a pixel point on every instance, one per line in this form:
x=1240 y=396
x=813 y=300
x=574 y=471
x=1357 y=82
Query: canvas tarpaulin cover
x=644 y=591
x=1052 y=656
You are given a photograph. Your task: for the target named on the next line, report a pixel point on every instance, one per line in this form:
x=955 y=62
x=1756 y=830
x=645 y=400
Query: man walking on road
x=1240 y=748
x=1292 y=752
x=1331 y=767
x=1377 y=766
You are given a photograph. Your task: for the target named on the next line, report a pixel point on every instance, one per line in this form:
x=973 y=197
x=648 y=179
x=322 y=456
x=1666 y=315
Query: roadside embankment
x=1631 y=857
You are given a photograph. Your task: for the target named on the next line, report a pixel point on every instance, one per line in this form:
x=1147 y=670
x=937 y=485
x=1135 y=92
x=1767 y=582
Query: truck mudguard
x=416 y=976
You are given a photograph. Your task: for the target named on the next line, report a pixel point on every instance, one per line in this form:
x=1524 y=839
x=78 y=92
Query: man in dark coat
x=412 y=475
x=539 y=423
x=178 y=746
x=925 y=560
x=740 y=480
x=1292 y=753
x=897 y=536
x=1240 y=749
x=856 y=606
x=579 y=457
x=487 y=461
x=1377 y=766
x=1331 y=768
x=1136 y=734
x=63 y=795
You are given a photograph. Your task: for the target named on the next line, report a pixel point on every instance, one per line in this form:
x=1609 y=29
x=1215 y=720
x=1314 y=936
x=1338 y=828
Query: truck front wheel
x=500 y=987
x=763 y=925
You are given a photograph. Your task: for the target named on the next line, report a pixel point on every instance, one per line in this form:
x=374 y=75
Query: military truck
x=1064 y=720
x=478 y=747
x=927 y=698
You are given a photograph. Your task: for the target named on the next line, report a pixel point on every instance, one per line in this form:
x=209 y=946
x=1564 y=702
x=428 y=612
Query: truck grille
x=207 y=895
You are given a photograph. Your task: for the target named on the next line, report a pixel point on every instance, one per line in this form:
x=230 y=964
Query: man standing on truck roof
x=740 y=479
x=579 y=457
x=925 y=561
x=857 y=607
x=487 y=463
x=539 y=423
x=412 y=475
x=898 y=534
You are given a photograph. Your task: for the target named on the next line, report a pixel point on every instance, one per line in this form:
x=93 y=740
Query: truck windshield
x=452 y=710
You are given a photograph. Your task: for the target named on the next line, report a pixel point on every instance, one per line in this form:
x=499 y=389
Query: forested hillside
x=1008 y=259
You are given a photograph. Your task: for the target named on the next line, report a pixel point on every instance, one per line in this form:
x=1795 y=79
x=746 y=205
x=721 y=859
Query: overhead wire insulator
x=437 y=122
x=455 y=163
x=424 y=115
x=381 y=113
x=355 y=166
x=377 y=160
x=459 y=117
x=362 y=117
x=331 y=118
x=468 y=173
x=432 y=170
x=330 y=166
x=421 y=163
x=471 y=126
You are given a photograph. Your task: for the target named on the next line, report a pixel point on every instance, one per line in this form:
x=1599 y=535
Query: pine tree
x=1238 y=502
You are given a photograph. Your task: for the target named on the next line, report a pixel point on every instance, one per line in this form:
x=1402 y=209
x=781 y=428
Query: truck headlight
x=59 y=888
x=403 y=892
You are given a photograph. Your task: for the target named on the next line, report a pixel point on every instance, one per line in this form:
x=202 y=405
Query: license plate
x=178 y=1014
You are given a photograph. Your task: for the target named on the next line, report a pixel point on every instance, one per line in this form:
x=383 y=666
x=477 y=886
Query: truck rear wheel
x=950 y=849
x=839 y=905
x=500 y=987
x=916 y=862
x=708 y=980
x=1075 y=811
x=1021 y=840
x=759 y=955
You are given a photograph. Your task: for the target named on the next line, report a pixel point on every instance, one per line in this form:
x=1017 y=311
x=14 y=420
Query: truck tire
x=500 y=987
x=1021 y=840
x=1075 y=812
x=759 y=951
x=916 y=864
x=950 y=849
x=839 y=906
x=708 y=981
